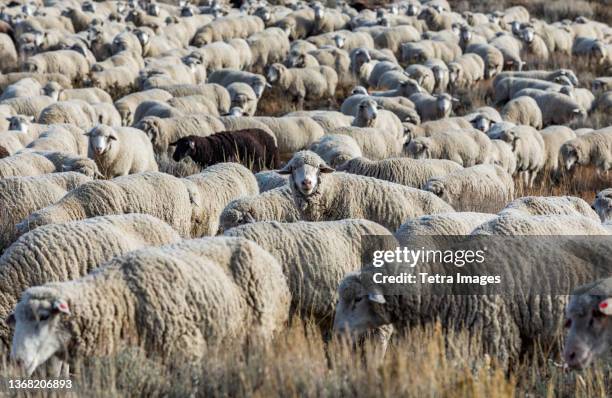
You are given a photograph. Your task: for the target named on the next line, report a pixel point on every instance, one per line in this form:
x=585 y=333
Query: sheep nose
x=374 y=115
x=307 y=183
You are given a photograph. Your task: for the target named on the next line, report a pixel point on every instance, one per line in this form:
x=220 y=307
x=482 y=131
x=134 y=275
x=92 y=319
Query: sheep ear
x=10 y=319
x=605 y=307
x=112 y=137
x=285 y=170
x=377 y=298
x=60 y=305
x=88 y=134
x=325 y=169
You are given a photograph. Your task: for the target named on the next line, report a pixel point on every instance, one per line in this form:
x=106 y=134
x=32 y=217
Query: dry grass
x=424 y=363
x=550 y=11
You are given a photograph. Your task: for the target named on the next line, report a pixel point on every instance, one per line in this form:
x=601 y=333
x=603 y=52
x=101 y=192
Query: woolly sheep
x=485 y=188
x=593 y=148
x=501 y=154
x=310 y=258
x=268 y=47
x=550 y=205
x=435 y=126
x=274 y=205
x=466 y=70
x=127 y=105
x=402 y=107
x=120 y=151
x=363 y=306
x=31 y=106
x=556 y=108
x=466 y=147
x=336 y=149
x=374 y=143
x=243 y=96
x=550 y=76
x=369 y=115
x=292 y=133
x=191 y=205
x=60 y=252
x=91 y=95
x=304 y=83
x=76 y=112
x=393 y=37
x=523 y=110
x=587 y=319
x=492 y=57
x=326 y=119
x=416 y=230
x=530 y=150
x=509 y=87
x=603 y=205
x=268 y=180
x=228 y=276
x=516 y=223
x=225 y=77
x=21 y=196
x=25 y=164
x=162 y=132
x=224 y=29
x=432 y=107
x=325 y=197
x=554 y=137
x=405 y=89
x=510 y=48
x=27 y=87
x=69 y=63
x=65 y=138
x=421 y=51
x=403 y=171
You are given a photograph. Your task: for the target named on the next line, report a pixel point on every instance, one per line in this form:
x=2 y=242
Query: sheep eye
x=44 y=316
x=358 y=299
x=567 y=324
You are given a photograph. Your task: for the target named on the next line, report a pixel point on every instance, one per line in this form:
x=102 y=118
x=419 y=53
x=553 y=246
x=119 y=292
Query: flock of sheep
x=107 y=239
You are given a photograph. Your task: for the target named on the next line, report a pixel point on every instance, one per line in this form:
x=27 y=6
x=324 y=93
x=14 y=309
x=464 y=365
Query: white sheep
x=119 y=151
x=603 y=205
x=336 y=149
x=466 y=70
x=315 y=256
x=550 y=205
x=304 y=83
x=374 y=143
x=190 y=205
x=432 y=107
x=485 y=188
x=466 y=147
x=530 y=151
x=516 y=223
x=60 y=252
x=405 y=171
x=593 y=148
x=28 y=163
x=523 y=110
x=239 y=295
x=321 y=195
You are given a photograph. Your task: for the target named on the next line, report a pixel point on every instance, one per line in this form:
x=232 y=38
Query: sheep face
x=339 y=40
x=444 y=102
x=100 y=140
x=481 y=123
x=412 y=10
x=305 y=169
x=53 y=90
x=571 y=154
x=361 y=56
x=39 y=333
x=184 y=147
x=588 y=320
x=603 y=205
x=368 y=111
x=273 y=73
x=357 y=311
x=19 y=123
x=438 y=188
x=418 y=148
x=237 y=111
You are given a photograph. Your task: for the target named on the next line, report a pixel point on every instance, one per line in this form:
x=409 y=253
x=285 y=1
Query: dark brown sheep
x=254 y=148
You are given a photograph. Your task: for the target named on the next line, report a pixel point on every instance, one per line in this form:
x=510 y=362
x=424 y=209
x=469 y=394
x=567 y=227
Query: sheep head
x=40 y=328
x=603 y=205
x=305 y=168
x=358 y=310
x=588 y=322
x=100 y=140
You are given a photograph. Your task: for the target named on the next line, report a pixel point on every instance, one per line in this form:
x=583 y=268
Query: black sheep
x=253 y=148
